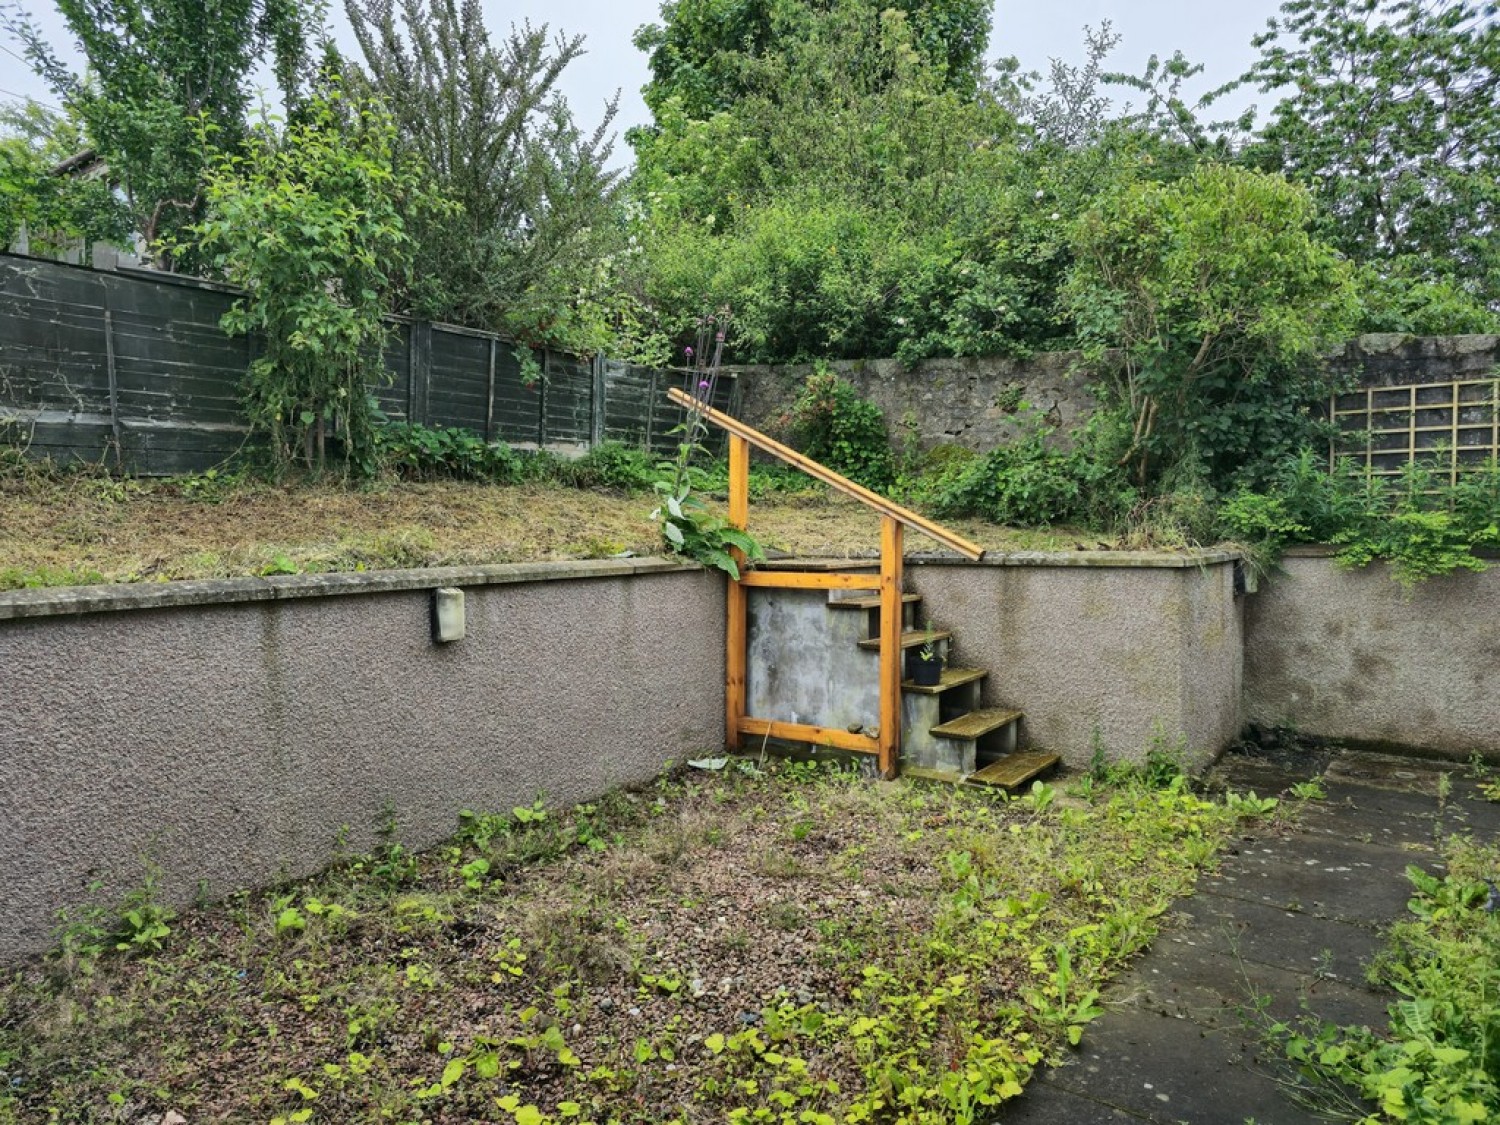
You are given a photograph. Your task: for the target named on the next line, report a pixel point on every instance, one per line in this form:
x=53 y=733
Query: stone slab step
x=1014 y=770
x=871 y=602
x=976 y=724
x=952 y=678
x=912 y=638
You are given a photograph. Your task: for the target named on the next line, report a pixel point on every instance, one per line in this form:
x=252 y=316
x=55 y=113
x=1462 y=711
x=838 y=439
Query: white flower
x=1041 y=194
x=1055 y=216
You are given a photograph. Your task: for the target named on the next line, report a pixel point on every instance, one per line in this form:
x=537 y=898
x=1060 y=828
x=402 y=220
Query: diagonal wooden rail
x=886 y=742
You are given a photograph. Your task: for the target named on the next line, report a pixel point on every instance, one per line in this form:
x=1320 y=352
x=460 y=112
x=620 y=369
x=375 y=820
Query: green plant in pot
x=924 y=664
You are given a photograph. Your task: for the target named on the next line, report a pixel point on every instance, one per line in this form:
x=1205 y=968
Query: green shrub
x=831 y=423
x=1032 y=482
x=417 y=452
x=613 y=465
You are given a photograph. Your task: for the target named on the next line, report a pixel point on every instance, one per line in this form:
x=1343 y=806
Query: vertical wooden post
x=736 y=638
x=419 y=359
x=890 y=645
x=489 y=394
x=596 y=402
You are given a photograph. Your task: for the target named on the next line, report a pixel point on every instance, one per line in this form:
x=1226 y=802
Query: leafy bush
x=1032 y=482
x=613 y=465
x=831 y=423
x=1423 y=525
x=417 y=452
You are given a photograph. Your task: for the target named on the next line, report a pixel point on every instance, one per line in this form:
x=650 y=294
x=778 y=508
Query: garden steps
x=945 y=734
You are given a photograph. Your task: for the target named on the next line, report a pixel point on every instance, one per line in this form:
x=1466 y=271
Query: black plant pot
x=925 y=671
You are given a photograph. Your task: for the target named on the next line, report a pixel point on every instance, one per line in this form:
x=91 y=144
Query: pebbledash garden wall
x=230 y=730
x=227 y=732
x=1348 y=654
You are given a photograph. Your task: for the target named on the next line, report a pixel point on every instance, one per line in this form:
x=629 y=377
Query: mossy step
x=871 y=602
x=952 y=678
x=913 y=638
x=1014 y=770
x=976 y=724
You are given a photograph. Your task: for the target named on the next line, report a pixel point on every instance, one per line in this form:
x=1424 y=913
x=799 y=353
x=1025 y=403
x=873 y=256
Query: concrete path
x=1292 y=918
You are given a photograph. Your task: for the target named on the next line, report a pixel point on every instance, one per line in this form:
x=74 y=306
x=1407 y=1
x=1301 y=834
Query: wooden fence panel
x=131 y=366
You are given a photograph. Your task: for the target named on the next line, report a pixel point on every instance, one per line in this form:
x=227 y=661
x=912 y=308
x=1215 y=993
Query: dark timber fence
x=129 y=367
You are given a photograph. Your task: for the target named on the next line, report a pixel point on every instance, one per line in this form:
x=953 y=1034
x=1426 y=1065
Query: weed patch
x=790 y=944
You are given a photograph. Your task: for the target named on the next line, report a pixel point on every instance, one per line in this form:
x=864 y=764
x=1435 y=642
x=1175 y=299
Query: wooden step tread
x=952 y=678
x=871 y=602
x=792 y=563
x=1014 y=770
x=976 y=723
x=913 y=638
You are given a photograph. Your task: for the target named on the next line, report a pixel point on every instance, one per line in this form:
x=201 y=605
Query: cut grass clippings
x=60 y=529
x=775 y=942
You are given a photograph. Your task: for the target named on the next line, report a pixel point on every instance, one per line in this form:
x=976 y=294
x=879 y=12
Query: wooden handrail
x=949 y=539
x=885 y=741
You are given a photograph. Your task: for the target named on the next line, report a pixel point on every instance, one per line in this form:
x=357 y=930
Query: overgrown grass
x=785 y=943
x=82 y=527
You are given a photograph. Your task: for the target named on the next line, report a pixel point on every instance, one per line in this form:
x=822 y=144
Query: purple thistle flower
x=688 y=351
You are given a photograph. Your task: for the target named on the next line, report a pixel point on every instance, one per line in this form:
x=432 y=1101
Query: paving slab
x=1047 y=1103
x=1284 y=930
x=1268 y=935
x=1319 y=876
x=1214 y=989
x=1170 y=1070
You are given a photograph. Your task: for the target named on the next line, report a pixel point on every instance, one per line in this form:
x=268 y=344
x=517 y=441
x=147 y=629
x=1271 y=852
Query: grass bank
x=81 y=528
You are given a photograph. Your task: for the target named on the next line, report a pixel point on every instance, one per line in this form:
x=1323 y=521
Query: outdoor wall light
x=447 y=615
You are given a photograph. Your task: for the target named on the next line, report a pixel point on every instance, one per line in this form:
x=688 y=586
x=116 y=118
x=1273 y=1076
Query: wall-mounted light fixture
x=447 y=614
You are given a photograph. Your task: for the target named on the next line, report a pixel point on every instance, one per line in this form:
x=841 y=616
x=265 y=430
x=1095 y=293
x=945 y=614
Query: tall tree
x=156 y=68
x=700 y=51
x=535 y=194
x=1391 y=117
x=36 y=148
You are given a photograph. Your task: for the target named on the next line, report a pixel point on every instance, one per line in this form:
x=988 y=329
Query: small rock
x=635 y=1011
x=749 y=1019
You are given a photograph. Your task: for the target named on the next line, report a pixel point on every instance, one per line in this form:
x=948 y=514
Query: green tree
x=1391 y=117
x=536 y=200
x=155 y=68
x=1220 y=300
x=56 y=208
x=702 y=52
x=307 y=220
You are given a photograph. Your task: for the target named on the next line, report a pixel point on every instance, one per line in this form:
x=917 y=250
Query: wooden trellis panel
x=1449 y=426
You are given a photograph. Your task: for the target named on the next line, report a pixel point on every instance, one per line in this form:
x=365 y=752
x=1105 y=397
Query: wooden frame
x=885 y=743
x=1373 y=413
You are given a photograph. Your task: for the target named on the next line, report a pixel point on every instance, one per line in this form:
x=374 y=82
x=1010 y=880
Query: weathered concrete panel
x=231 y=742
x=1113 y=656
x=1348 y=654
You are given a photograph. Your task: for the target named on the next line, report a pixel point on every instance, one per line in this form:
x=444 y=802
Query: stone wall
x=1348 y=654
x=1391 y=360
x=229 y=730
x=979 y=403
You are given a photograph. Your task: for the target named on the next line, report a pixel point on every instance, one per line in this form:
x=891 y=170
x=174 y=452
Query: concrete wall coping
x=60 y=601
x=1126 y=560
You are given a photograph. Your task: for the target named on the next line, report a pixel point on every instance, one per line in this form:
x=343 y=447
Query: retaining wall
x=1109 y=649
x=1348 y=654
x=229 y=730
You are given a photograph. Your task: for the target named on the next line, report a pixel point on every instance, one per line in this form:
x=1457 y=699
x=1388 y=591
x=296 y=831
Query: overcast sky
x=1213 y=32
